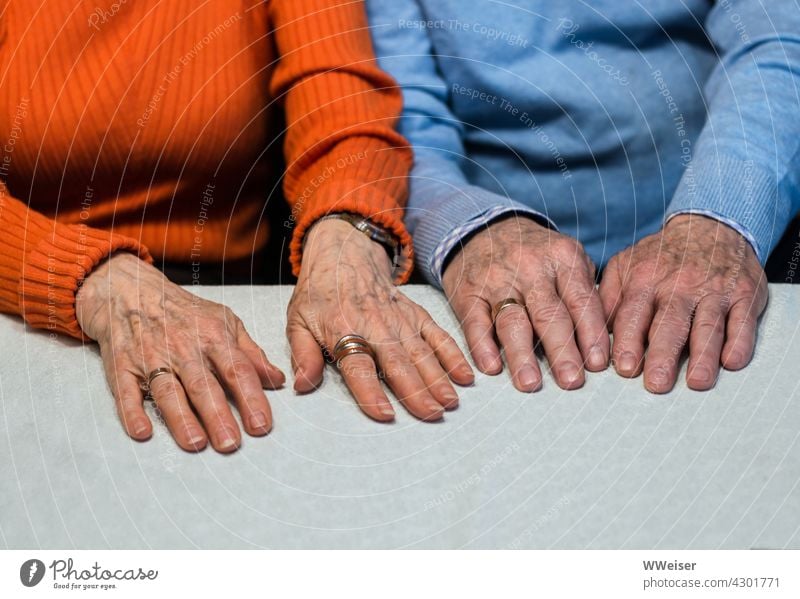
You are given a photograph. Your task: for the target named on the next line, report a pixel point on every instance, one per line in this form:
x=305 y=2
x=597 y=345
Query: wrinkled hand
x=553 y=278
x=697 y=281
x=142 y=321
x=345 y=287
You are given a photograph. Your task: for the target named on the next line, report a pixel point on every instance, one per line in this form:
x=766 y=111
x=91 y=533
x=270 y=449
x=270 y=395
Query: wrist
x=688 y=221
x=333 y=237
x=96 y=287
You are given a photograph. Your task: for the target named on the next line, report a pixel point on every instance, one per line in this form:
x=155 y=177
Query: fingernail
x=736 y=358
x=658 y=376
x=448 y=393
x=450 y=398
x=387 y=412
x=433 y=406
x=139 y=428
x=701 y=374
x=226 y=439
x=489 y=363
x=597 y=358
x=258 y=420
x=626 y=362
x=529 y=379
x=196 y=438
x=568 y=373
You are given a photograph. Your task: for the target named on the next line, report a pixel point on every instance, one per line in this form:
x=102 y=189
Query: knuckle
x=395 y=357
x=579 y=298
x=567 y=247
x=394 y=364
x=196 y=383
x=443 y=341
x=166 y=392
x=562 y=243
x=212 y=331
x=440 y=336
x=426 y=325
x=673 y=313
x=357 y=367
x=547 y=311
x=707 y=326
x=747 y=287
x=746 y=320
x=419 y=352
x=236 y=369
x=511 y=320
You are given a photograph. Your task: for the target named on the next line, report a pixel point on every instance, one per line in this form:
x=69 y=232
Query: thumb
x=611 y=292
x=307 y=361
x=270 y=375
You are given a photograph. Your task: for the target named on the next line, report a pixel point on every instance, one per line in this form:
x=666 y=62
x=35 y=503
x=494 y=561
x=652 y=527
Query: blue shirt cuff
x=724 y=220
x=738 y=193
x=457 y=235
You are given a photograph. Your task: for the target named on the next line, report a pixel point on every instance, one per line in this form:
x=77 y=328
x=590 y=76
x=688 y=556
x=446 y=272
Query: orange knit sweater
x=138 y=125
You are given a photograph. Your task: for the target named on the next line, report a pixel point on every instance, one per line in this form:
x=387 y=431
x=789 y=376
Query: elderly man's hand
x=699 y=282
x=552 y=279
x=345 y=288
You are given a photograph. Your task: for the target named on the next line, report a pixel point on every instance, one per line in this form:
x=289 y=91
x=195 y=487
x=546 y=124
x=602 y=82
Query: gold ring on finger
x=502 y=305
x=153 y=375
x=349 y=345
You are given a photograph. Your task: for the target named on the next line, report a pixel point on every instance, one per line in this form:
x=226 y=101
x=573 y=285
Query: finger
x=666 y=340
x=554 y=327
x=209 y=400
x=239 y=376
x=433 y=375
x=402 y=377
x=478 y=329
x=167 y=392
x=447 y=351
x=515 y=332
x=611 y=292
x=127 y=394
x=308 y=363
x=361 y=377
x=705 y=344
x=741 y=332
x=631 y=324
x=577 y=289
x=270 y=375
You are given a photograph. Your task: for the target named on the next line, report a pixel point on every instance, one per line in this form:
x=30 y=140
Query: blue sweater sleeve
x=746 y=164
x=443 y=207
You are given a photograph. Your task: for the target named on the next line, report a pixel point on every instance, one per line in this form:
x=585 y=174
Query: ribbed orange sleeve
x=43 y=263
x=342 y=151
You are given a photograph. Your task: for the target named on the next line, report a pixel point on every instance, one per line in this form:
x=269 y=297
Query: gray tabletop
x=608 y=466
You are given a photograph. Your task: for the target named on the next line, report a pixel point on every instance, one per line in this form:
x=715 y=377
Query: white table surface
x=608 y=466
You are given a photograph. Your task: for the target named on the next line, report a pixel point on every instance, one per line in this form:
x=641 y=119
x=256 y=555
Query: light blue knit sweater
x=606 y=116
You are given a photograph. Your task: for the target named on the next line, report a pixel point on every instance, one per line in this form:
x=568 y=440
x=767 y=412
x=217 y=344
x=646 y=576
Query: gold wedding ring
x=349 y=345
x=502 y=305
x=154 y=374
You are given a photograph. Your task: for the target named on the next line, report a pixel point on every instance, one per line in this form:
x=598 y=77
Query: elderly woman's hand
x=142 y=322
x=345 y=288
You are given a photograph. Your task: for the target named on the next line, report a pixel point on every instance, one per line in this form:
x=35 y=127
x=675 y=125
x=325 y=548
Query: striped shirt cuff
x=725 y=221
x=457 y=235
